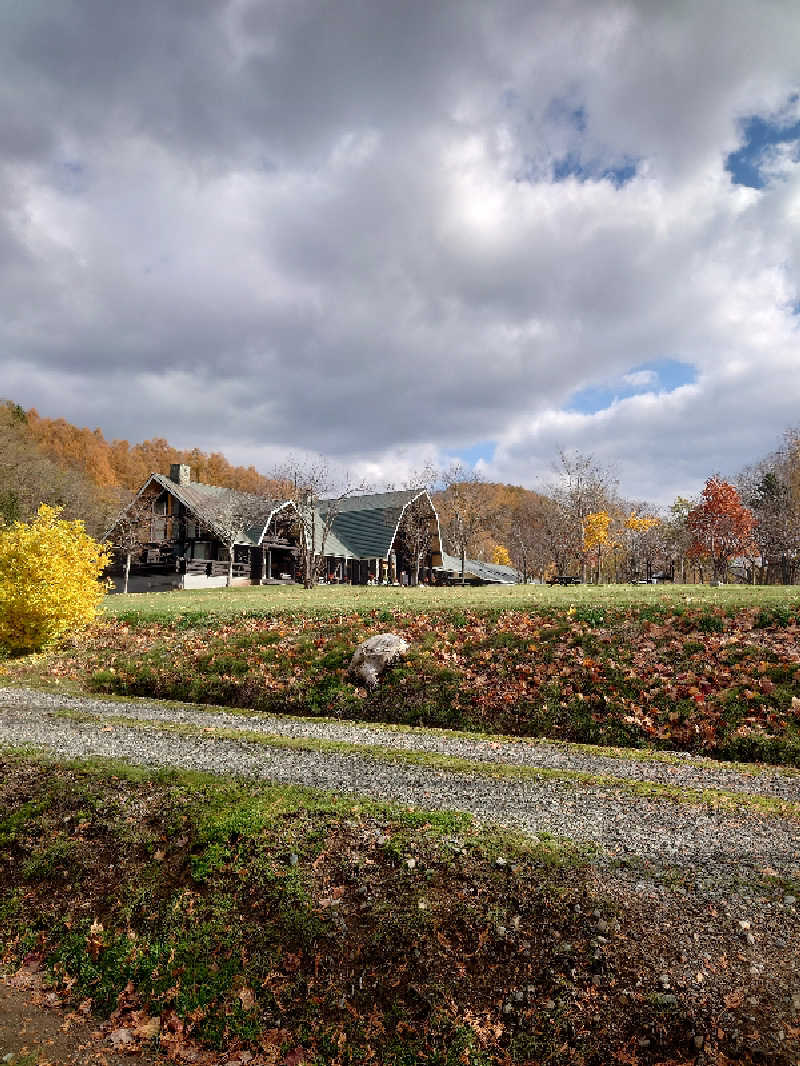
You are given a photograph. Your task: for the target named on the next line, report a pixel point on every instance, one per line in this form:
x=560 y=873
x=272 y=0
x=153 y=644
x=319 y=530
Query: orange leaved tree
x=720 y=525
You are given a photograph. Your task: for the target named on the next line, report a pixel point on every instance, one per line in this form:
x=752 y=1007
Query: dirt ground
x=33 y=1033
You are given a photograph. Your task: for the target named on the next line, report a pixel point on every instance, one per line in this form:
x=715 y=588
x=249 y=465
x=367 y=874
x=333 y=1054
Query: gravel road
x=684 y=835
x=682 y=771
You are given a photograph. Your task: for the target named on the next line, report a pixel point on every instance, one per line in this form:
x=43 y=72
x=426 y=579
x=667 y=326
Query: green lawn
x=334 y=599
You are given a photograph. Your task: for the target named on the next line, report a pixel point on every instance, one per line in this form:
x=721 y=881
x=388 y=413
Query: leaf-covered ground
x=723 y=682
x=273 y=925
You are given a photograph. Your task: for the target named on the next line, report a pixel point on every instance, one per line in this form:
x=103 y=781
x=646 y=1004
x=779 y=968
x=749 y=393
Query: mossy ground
x=334 y=930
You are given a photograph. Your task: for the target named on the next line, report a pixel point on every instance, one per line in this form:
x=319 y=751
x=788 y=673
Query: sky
x=391 y=233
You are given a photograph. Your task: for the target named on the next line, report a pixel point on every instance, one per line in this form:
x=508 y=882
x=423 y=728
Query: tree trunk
x=127 y=571
x=229 y=578
x=463 y=561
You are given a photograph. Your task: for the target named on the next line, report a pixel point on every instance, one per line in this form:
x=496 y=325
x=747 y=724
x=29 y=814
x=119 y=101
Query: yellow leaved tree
x=641 y=524
x=596 y=535
x=50 y=579
x=500 y=556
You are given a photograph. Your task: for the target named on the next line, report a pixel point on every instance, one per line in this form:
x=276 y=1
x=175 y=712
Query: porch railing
x=216 y=568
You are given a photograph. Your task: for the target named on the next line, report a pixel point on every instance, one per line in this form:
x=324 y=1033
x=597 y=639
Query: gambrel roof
x=365 y=526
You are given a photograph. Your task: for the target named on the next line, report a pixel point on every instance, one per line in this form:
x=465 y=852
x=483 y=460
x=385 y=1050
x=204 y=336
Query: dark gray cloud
x=338 y=226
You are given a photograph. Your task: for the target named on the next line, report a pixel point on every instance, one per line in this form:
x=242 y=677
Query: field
x=331 y=599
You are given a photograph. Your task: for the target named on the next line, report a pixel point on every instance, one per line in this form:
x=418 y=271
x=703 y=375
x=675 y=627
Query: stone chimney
x=180 y=473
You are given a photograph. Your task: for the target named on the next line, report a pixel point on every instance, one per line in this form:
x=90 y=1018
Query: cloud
x=386 y=232
x=641 y=378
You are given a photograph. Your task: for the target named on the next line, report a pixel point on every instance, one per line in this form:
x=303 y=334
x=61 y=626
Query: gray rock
x=373 y=655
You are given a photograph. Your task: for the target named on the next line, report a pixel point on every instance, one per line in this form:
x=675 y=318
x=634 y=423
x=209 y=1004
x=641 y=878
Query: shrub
x=50 y=572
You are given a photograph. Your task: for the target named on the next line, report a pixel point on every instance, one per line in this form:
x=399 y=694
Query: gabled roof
x=205 y=502
x=364 y=527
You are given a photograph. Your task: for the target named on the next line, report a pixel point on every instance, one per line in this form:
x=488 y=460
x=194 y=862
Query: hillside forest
x=579 y=524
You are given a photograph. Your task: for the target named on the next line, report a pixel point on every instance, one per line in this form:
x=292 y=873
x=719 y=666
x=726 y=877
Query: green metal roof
x=365 y=526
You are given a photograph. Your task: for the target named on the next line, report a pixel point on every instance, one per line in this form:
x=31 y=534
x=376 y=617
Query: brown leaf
x=247 y=998
x=148 y=1028
x=734 y=999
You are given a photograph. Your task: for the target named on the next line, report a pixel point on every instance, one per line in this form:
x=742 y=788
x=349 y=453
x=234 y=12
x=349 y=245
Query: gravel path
x=684 y=772
x=693 y=837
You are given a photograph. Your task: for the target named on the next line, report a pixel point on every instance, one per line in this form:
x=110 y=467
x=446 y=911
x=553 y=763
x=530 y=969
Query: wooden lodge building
x=184 y=528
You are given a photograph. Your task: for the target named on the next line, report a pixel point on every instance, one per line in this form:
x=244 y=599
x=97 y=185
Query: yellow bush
x=50 y=579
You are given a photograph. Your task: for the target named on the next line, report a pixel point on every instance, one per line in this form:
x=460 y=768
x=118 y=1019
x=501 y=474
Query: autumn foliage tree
x=596 y=535
x=50 y=579
x=501 y=556
x=721 y=526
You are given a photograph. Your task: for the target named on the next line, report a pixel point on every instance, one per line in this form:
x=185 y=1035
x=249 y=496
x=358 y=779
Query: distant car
x=562 y=579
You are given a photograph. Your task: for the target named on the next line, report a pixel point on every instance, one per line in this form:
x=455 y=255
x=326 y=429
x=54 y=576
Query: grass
x=334 y=599
x=245 y=916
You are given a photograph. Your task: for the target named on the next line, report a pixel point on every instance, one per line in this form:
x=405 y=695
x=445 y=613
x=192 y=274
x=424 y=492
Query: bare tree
x=771 y=489
x=464 y=507
x=131 y=531
x=583 y=487
x=232 y=517
x=525 y=535
x=307 y=486
x=419 y=518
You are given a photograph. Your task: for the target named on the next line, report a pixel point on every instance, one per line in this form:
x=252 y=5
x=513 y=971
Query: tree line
x=48 y=460
x=578 y=524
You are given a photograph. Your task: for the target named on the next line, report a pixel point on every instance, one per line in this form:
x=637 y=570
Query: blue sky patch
x=562 y=112
x=572 y=166
x=469 y=456
x=759 y=135
x=661 y=375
